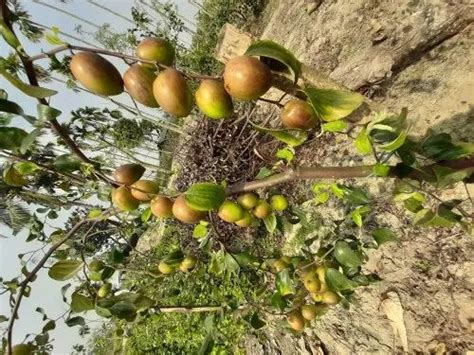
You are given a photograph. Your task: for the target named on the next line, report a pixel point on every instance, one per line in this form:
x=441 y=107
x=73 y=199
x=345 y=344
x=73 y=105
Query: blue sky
x=46 y=292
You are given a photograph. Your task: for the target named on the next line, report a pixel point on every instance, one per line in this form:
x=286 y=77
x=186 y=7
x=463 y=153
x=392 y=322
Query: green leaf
x=107 y=273
x=319 y=187
x=335 y=126
x=337 y=191
x=270 y=49
x=284 y=283
x=231 y=265
x=116 y=256
x=11 y=137
x=71 y=322
x=246 y=259
x=358 y=213
x=384 y=235
x=278 y=302
x=332 y=105
x=287 y=153
x=205 y=196
x=423 y=216
x=52 y=37
x=30 y=90
x=346 y=256
x=29 y=140
x=321 y=198
x=362 y=143
x=207 y=345
x=263 y=173
x=47 y=113
x=395 y=144
x=255 y=321
x=446 y=176
x=441 y=147
x=67 y=163
x=3 y=318
x=270 y=223
x=292 y=137
x=200 y=231
x=354 y=195
x=81 y=303
x=15 y=109
x=381 y=170
x=407 y=195
x=26 y=167
x=174 y=258
x=124 y=310
x=146 y=215
x=338 y=282
x=413 y=205
x=65 y=269
x=50 y=325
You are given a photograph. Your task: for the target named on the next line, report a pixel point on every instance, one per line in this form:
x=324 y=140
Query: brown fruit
x=172 y=93
x=184 y=213
x=213 y=100
x=330 y=298
x=262 y=209
x=144 y=190
x=309 y=311
x=127 y=174
x=162 y=207
x=123 y=199
x=296 y=321
x=248 y=200
x=157 y=50
x=138 y=81
x=298 y=114
x=96 y=74
x=247 y=78
x=230 y=211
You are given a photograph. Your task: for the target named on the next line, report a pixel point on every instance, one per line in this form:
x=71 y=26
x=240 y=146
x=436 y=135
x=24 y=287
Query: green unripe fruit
x=213 y=100
x=172 y=93
x=262 y=209
x=104 y=290
x=309 y=311
x=230 y=211
x=138 y=81
x=298 y=114
x=280 y=264
x=246 y=221
x=188 y=263
x=162 y=207
x=127 y=174
x=247 y=78
x=123 y=199
x=330 y=298
x=157 y=50
x=96 y=74
x=165 y=268
x=96 y=265
x=279 y=202
x=144 y=190
x=296 y=321
x=248 y=200
x=183 y=212
x=22 y=349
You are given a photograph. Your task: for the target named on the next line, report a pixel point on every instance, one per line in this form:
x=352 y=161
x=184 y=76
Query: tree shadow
x=460 y=126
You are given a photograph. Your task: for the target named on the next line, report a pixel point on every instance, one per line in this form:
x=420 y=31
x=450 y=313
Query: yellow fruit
x=122 y=199
x=157 y=50
x=213 y=100
x=165 y=268
x=262 y=209
x=309 y=311
x=96 y=74
x=321 y=272
x=162 y=207
x=280 y=264
x=172 y=93
x=127 y=174
x=104 y=290
x=279 y=202
x=330 y=298
x=312 y=284
x=246 y=221
x=96 y=265
x=248 y=200
x=22 y=349
x=298 y=114
x=286 y=259
x=247 y=78
x=230 y=211
x=324 y=287
x=317 y=297
x=138 y=81
x=188 y=263
x=144 y=190
x=184 y=213
x=296 y=321
x=12 y=177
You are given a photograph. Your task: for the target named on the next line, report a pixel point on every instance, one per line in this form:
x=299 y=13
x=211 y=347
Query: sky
x=45 y=291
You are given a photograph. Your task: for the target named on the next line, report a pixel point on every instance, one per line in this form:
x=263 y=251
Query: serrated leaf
x=270 y=223
x=338 y=281
x=292 y=137
x=333 y=105
x=65 y=269
x=284 y=283
x=362 y=143
x=30 y=90
x=205 y=196
x=384 y=235
x=270 y=49
x=346 y=256
x=335 y=126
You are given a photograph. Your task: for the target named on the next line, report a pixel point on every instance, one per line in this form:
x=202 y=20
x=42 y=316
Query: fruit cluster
x=244 y=78
x=314 y=281
x=95 y=268
x=187 y=264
